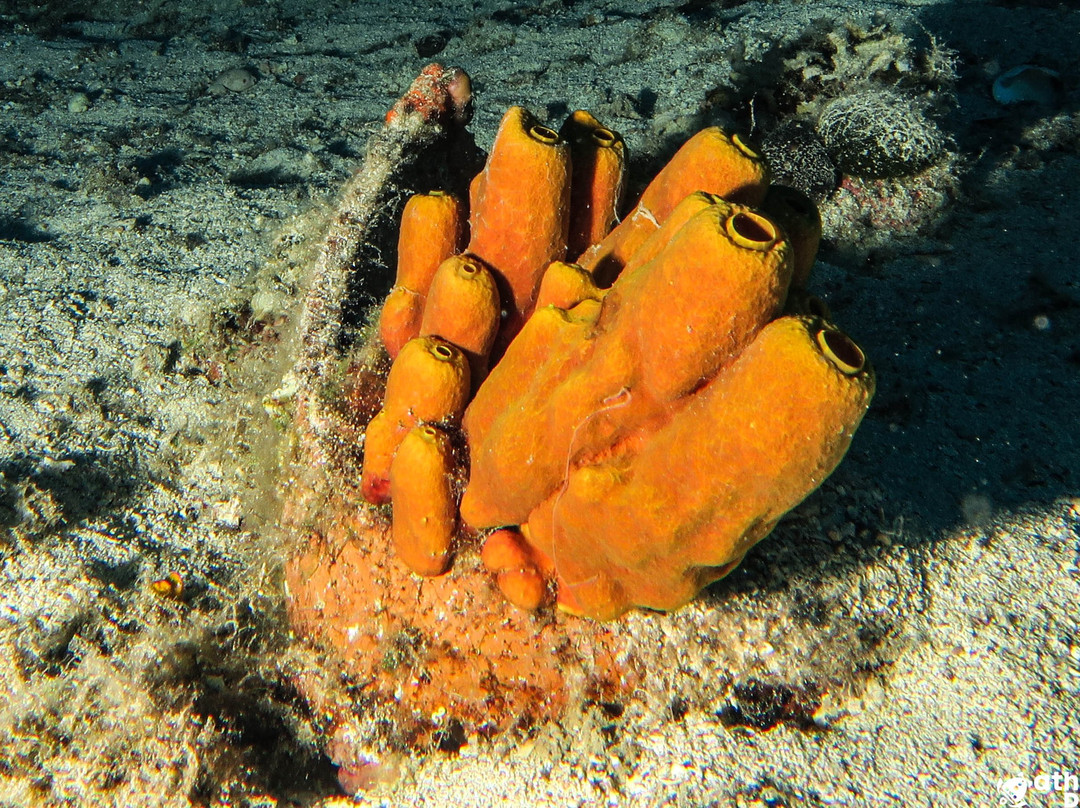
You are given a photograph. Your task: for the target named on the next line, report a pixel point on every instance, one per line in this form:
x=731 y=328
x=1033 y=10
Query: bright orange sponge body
x=638 y=420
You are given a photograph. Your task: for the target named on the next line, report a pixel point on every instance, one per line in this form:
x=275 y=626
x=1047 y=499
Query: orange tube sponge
x=599 y=159
x=463 y=308
x=721 y=276
x=710 y=161
x=524 y=415
x=743 y=261
x=798 y=217
x=520 y=208
x=432 y=227
x=550 y=333
x=558 y=388
x=428 y=382
x=658 y=238
x=639 y=239
x=425 y=513
x=651 y=527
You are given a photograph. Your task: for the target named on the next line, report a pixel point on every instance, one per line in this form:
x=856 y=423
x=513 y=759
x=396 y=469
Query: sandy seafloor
x=939 y=568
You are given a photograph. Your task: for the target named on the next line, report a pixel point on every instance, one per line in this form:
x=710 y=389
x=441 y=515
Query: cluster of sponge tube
x=638 y=402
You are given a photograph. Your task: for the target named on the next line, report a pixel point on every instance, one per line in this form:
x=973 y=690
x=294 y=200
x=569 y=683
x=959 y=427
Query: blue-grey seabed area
x=906 y=637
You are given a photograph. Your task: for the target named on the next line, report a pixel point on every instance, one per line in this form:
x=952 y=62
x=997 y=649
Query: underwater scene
x=562 y=403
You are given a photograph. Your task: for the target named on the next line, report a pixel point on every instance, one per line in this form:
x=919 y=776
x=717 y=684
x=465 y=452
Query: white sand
x=941 y=561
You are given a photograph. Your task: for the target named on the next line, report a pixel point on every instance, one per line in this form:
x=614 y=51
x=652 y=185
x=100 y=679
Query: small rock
x=1027 y=84
x=80 y=102
x=879 y=133
x=235 y=80
x=978 y=509
x=228 y=514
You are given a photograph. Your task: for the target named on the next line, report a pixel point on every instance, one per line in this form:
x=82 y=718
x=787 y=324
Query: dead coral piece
x=438 y=98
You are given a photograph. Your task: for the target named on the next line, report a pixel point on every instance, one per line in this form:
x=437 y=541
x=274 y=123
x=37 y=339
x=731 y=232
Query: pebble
x=1027 y=84
x=977 y=509
x=228 y=514
x=235 y=79
x=80 y=102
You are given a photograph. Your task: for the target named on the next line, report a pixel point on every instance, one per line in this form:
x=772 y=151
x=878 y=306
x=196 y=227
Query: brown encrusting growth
x=448 y=644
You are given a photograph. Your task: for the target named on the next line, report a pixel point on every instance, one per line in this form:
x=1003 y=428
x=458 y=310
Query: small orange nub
x=525 y=588
x=505 y=549
x=508 y=555
x=171 y=586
